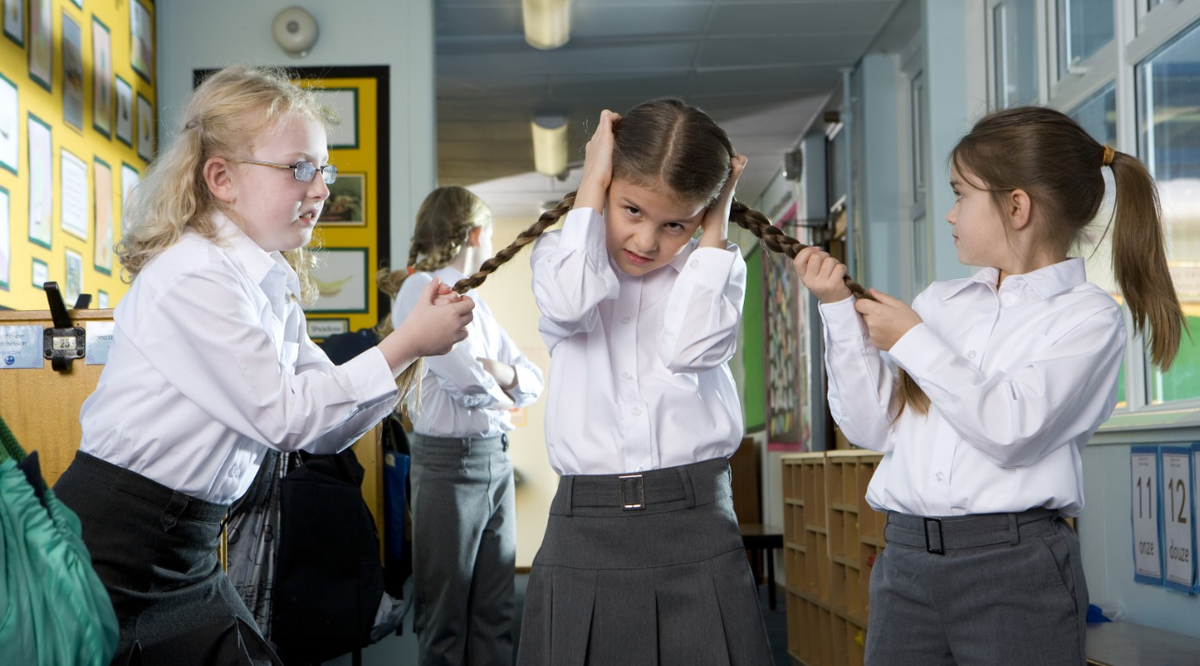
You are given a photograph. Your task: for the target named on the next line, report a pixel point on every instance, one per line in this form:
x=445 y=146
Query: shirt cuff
x=842 y=321
x=369 y=377
x=920 y=351
x=710 y=267
x=584 y=229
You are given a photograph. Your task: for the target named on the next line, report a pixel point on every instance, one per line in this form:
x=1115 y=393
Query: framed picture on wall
x=5 y=240
x=78 y=3
x=343 y=102
x=145 y=124
x=41 y=183
x=124 y=119
x=41 y=273
x=129 y=180
x=101 y=299
x=103 y=216
x=346 y=202
x=73 y=286
x=141 y=39
x=102 y=78
x=10 y=125
x=41 y=42
x=341 y=277
x=72 y=52
x=14 y=21
x=74 y=194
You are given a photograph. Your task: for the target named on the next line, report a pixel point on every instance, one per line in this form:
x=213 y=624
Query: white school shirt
x=1018 y=379
x=211 y=364
x=456 y=392
x=638 y=365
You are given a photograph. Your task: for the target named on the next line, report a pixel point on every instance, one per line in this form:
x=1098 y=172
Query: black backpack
x=329 y=578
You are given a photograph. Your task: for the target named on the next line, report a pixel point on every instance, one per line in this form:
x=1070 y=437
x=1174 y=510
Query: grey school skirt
x=156 y=552
x=643 y=569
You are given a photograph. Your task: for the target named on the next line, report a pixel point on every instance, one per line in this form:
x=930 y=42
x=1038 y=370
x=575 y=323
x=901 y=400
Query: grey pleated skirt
x=644 y=569
x=156 y=552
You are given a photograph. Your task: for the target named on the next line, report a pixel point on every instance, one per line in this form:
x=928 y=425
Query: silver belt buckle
x=633 y=492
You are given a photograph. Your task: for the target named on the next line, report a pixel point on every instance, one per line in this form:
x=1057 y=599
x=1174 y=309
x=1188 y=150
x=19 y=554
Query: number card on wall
x=1178 y=537
x=1195 y=507
x=1147 y=553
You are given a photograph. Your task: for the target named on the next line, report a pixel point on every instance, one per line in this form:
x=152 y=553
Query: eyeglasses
x=304 y=170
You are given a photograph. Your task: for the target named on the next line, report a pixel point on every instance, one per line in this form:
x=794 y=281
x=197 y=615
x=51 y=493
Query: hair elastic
x=1109 y=153
x=410 y=270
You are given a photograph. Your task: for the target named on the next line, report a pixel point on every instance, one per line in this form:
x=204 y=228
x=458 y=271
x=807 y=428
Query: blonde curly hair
x=226 y=113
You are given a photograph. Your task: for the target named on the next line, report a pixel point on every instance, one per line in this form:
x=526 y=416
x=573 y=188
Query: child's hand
x=822 y=274
x=437 y=322
x=715 y=224
x=597 y=165
x=887 y=318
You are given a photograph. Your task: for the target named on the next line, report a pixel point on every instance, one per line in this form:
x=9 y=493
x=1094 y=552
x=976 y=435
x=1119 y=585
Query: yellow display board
x=77 y=129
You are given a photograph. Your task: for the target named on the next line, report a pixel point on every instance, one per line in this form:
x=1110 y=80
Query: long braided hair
x=444 y=223
x=666 y=143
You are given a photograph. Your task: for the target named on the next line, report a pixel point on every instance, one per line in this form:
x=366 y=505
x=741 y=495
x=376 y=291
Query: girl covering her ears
x=1010 y=372
x=463 y=499
x=642 y=560
x=211 y=365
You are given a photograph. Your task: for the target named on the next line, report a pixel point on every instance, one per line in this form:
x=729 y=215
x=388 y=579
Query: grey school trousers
x=464 y=550
x=1004 y=589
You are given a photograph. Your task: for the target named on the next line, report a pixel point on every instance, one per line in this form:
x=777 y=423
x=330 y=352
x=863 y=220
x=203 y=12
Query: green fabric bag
x=53 y=608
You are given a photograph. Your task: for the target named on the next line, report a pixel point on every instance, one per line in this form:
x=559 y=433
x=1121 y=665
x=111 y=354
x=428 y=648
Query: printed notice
x=1147 y=553
x=99 y=339
x=21 y=347
x=1178 y=537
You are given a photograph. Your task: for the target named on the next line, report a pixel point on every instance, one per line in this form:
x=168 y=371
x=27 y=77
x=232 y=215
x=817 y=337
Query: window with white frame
x=1168 y=103
x=1014 y=39
x=1084 y=26
x=1098 y=116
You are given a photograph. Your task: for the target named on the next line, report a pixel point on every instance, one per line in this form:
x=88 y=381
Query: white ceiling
x=761 y=68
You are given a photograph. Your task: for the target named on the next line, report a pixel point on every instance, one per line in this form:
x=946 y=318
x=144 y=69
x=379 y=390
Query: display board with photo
x=41 y=183
x=72 y=53
x=102 y=78
x=14 y=21
x=141 y=39
x=41 y=42
x=145 y=123
x=346 y=202
x=124 y=112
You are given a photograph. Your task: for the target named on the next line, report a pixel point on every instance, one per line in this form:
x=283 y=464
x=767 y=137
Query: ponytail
x=1140 y=260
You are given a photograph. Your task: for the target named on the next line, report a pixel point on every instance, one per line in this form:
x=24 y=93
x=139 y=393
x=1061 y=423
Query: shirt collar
x=261 y=266
x=1048 y=281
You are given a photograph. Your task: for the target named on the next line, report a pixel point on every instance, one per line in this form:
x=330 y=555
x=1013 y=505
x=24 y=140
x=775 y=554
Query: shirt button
x=940 y=476
x=626 y=375
x=971 y=354
x=637 y=411
x=234 y=472
x=694 y=264
x=626 y=320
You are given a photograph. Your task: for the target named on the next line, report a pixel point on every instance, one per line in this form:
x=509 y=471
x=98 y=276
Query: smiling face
x=645 y=228
x=978 y=228
x=268 y=203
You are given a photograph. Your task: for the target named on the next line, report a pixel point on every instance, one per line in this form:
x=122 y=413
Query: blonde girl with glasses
x=211 y=365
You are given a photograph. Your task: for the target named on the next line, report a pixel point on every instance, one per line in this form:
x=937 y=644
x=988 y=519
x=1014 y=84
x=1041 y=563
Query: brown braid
x=544 y=222
x=775 y=240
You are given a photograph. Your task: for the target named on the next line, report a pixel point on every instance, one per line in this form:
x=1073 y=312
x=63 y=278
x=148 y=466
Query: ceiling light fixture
x=547 y=22
x=549 y=145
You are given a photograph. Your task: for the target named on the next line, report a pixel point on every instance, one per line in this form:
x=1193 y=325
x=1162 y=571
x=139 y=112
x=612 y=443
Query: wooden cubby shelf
x=831 y=539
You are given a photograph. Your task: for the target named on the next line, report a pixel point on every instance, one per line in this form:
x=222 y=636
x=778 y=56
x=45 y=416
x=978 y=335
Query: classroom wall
x=215 y=33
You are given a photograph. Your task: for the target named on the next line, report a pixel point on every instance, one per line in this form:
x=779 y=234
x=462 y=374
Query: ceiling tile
x=801 y=18
x=832 y=50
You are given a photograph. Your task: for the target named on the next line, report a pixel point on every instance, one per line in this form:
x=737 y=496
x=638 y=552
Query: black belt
x=697 y=483
x=937 y=535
